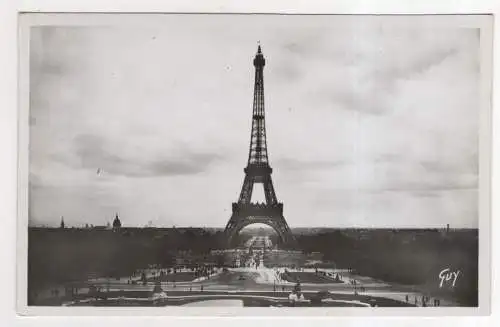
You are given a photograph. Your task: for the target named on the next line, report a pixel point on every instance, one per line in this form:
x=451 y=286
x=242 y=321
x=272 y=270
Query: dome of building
x=117 y=223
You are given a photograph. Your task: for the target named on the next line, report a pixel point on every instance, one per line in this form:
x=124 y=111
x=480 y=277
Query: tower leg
x=246 y=190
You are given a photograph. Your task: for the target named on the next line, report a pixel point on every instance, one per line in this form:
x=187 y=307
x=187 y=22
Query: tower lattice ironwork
x=258 y=170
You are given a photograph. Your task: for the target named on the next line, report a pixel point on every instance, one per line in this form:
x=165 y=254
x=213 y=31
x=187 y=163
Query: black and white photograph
x=251 y=160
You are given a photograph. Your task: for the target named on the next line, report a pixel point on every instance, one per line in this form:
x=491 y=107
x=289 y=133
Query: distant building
x=117 y=224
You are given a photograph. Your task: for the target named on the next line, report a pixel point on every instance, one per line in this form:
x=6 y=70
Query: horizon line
x=222 y=228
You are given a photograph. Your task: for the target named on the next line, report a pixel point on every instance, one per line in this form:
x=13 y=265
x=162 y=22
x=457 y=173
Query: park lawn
x=309 y=277
x=184 y=276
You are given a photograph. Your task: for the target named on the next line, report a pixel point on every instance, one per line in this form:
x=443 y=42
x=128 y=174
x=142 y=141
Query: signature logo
x=447 y=275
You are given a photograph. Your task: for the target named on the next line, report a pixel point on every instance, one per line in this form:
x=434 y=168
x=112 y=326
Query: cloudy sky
x=368 y=125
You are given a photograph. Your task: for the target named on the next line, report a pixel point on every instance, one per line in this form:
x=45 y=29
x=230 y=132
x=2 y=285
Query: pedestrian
x=406 y=298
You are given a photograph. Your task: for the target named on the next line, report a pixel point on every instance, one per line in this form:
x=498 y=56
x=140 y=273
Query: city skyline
x=154 y=123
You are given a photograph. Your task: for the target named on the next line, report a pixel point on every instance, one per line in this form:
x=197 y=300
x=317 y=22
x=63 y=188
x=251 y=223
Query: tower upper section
x=257 y=155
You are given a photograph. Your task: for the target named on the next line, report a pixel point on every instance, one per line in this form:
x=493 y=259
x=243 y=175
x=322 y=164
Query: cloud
x=468 y=165
x=421 y=187
x=387 y=157
x=427 y=194
x=94 y=153
x=371 y=92
x=288 y=70
x=365 y=75
x=297 y=164
x=419 y=66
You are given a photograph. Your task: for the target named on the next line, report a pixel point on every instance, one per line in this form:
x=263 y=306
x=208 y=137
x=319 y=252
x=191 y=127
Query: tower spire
x=258 y=144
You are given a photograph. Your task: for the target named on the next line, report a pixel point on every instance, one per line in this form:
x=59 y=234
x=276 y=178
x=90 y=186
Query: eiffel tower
x=258 y=171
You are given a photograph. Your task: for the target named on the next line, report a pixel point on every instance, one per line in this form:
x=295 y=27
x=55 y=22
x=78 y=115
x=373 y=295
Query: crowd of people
x=424 y=301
